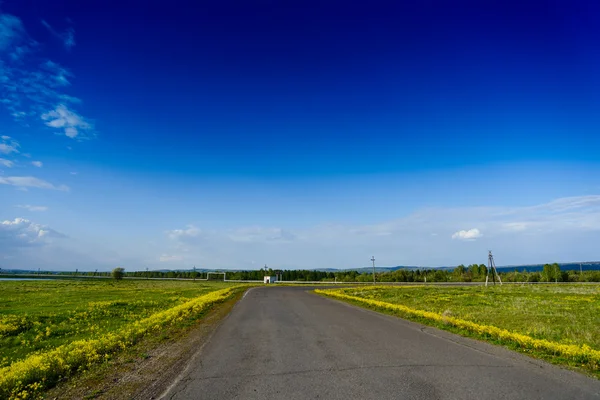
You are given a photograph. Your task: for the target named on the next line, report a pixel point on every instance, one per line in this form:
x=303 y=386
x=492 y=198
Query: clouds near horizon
x=424 y=237
x=22 y=232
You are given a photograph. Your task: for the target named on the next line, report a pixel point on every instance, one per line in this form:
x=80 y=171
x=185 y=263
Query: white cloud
x=471 y=234
x=30 y=181
x=181 y=234
x=6 y=163
x=33 y=208
x=21 y=232
x=62 y=118
x=67 y=37
x=38 y=164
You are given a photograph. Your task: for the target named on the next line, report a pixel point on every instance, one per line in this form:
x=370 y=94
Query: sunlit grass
x=41 y=315
x=568 y=314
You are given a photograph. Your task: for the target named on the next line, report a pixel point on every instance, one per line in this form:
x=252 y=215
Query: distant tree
x=557 y=274
x=482 y=270
x=118 y=273
x=459 y=272
x=548 y=273
x=534 y=277
x=473 y=270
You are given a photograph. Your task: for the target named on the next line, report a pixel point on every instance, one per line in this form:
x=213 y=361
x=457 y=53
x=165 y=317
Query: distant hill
x=585 y=266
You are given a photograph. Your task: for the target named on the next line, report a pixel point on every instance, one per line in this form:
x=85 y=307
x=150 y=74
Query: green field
x=567 y=314
x=560 y=323
x=41 y=315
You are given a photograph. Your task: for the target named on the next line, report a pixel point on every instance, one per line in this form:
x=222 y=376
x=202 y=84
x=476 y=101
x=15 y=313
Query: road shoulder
x=559 y=372
x=149 y=368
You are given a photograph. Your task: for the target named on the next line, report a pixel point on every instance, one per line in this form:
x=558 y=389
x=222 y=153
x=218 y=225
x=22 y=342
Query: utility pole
x=492 y=269
x=373 y=259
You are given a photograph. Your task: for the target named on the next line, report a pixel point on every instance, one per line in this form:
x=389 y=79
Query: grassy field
x=557 y=322
x=41 y=315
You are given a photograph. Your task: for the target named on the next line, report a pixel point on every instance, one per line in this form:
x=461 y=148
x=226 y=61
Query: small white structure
x=270 y=279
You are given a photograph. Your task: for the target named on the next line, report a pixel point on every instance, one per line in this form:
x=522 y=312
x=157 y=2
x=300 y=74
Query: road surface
x=287 y=343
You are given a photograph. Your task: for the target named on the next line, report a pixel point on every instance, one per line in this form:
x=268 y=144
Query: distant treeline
x=462 y=273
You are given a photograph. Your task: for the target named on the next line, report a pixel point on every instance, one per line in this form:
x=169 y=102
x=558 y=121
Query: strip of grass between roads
x=580 y=356
x=28 y=378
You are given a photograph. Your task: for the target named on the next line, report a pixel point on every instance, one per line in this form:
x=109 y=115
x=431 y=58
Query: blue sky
x=301 y=135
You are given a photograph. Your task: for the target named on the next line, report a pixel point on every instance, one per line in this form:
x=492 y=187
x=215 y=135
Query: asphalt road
x=286 y=343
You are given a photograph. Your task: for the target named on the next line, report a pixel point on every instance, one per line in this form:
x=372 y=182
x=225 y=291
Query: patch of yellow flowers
x=9 y=324
x=27 y=378
x=583 y=354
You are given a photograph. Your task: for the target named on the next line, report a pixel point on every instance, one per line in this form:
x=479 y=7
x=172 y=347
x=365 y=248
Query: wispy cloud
x=30 y=181
x=7 y=148
x=6 y=163
x=30 y=89
x=11 y=32
x=182 y=234
x=33 y=208
x=69 y=121
x=471 y=234
x=67 y=37
x=169 y=258
x=8 y=145
x=260 y=234
x=38 y=164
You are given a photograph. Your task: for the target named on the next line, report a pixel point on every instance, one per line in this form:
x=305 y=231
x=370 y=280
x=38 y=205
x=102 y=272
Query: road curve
x=286 y=343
